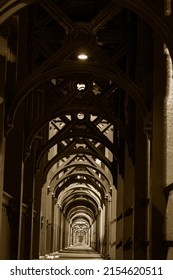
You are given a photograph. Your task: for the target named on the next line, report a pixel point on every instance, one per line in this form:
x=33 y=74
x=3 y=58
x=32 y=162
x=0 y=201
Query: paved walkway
x=77 y=252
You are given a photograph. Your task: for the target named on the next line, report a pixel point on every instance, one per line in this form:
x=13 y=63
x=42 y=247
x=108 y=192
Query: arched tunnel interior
x=79 y=185
x=86 y=128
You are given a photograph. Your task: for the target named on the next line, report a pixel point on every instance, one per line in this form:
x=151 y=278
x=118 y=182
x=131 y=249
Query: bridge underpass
x=77 y=204
x=86 y=128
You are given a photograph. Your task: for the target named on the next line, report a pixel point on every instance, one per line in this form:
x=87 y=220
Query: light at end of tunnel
x=82 y=56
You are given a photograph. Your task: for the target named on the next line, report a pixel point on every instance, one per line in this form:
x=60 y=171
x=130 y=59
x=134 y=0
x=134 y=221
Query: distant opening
x=81 y=86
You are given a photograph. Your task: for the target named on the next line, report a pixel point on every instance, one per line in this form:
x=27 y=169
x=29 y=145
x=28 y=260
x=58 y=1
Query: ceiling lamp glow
x=82 y=56
x=81 y=86
x=80 y=116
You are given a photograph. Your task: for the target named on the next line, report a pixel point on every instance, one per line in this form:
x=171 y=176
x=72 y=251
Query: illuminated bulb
x=80 y=116
x=82 y=56
x=80 y=86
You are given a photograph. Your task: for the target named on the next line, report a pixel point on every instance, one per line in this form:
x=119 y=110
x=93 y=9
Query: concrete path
x=77 y=252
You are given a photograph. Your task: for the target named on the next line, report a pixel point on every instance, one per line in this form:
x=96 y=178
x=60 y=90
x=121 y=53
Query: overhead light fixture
x=82 y=56
x=80 y=116
x=81 y=86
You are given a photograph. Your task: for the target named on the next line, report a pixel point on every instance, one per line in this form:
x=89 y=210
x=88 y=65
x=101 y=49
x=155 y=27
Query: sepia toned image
x=86 y=130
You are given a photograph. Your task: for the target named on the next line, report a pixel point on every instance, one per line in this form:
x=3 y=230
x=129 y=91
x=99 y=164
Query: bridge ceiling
x=79 y=80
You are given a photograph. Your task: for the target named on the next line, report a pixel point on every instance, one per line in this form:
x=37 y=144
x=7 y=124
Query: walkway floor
x=77 y=252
